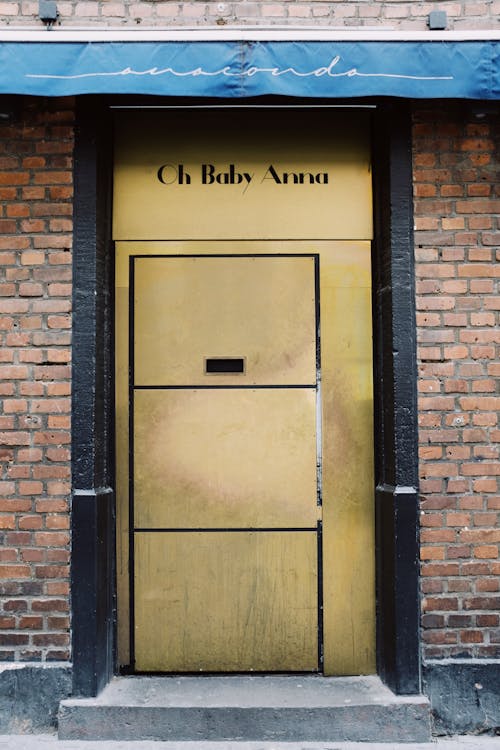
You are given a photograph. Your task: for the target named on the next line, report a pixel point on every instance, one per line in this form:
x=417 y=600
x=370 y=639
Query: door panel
x=225 y=464
x=226 y=601
x=260 y=309
x=225 y=458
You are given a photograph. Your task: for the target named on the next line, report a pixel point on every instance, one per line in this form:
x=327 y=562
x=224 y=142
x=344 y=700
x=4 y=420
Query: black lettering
x=271 y=174
x=184 y=177
x=207 y=174
x=168 y=174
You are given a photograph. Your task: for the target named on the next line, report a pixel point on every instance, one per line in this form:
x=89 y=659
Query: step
x=276 y=708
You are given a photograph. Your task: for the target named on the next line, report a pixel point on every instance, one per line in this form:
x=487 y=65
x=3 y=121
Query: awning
x=55 y=64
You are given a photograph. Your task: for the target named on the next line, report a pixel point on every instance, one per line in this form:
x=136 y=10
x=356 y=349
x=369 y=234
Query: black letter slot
x=224 y=365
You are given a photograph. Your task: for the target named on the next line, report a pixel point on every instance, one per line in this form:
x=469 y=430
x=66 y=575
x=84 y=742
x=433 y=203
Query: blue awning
x=236 y=68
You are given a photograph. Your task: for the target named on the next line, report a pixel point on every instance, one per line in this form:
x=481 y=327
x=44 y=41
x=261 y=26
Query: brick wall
x=404 y=14
x=35 y=322
x=457 y=210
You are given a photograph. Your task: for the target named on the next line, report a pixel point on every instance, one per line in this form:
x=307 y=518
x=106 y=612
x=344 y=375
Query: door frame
x=93 y=574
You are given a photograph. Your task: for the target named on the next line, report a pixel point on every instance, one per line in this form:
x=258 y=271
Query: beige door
x=225 y=463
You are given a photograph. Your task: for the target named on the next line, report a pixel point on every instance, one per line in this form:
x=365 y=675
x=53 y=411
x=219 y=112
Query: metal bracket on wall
x=47 y=12
x=437 y=20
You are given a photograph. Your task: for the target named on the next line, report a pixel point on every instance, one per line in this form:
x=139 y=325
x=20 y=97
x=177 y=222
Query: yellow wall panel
x=348 y=481
x=164 y=186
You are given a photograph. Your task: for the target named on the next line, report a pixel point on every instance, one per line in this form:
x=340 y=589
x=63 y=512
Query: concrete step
x=277 y=708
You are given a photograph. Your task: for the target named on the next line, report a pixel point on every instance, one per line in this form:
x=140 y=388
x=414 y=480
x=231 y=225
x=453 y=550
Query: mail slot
x=224 y=366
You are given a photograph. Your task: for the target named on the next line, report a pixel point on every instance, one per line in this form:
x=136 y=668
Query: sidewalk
x=50 y=742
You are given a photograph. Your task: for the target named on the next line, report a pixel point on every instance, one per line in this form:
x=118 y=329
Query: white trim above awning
x=240 y=33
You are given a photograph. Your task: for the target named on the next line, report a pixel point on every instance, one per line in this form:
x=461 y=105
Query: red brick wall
x=457 y=208
x=35 y=357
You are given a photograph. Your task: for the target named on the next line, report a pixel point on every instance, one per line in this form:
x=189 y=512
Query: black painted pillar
x=398 y=648
x=93 y=554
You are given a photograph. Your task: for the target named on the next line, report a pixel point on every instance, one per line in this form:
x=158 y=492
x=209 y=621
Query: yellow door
x=225 y=466
x=245 y=524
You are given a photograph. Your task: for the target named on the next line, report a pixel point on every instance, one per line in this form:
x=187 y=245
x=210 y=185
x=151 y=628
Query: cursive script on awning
x=236 y=68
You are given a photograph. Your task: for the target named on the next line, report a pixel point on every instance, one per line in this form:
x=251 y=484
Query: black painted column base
x=464 y=695
x=396 y=512
x=92 y=587
x=30 y=694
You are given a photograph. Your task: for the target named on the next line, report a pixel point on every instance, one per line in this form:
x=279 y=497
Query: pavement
x=50 y=742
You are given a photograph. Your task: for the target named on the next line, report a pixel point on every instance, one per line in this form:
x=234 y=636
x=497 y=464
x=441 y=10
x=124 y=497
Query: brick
x=487 y=584
x=459 y=585
x=443 y=604
x=477 y=536
x=432 y=553
x=53 y=437
x=485 y=621
x=486 y=551
x=455 y=319
x=435 y=303
x=15 y=605
x=14 y=571
x=485 y=451
x=439 y=636
x=481 y=286
x=456 y=352
x=438 y=469
x=481 y=469
x=482 y=602
x=57 y=522
x=483 y=386
x=456 y=386
x=481 y=206
x=31 y=523
x=51 y=539
x=474 y=435
x=475 y=270
x=471 y=502
x=13 y=639
x=471 y=636
x=49 y=605
x=486 y=403
x=457 y=485
x=14 y=438
x=31 y=622
x=458 y=551
x=480 y=253
x=431 y=586
x=51 y=571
